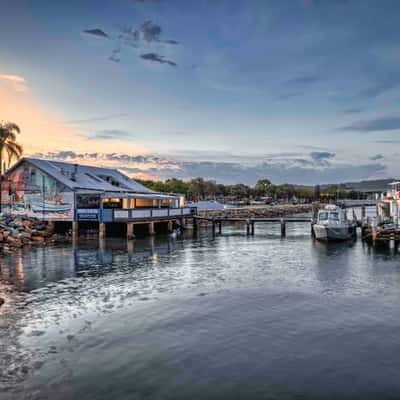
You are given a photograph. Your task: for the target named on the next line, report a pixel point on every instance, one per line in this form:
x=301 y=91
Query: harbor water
x=224 y=317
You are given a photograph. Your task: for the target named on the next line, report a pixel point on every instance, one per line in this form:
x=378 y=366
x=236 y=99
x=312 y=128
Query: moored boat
x=333 y=225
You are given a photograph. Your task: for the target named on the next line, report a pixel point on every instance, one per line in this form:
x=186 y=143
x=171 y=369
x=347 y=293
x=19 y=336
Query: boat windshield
x=334 y=216
x=323 y=216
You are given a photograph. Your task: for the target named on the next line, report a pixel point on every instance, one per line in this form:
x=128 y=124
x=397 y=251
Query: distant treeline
x=201 y=189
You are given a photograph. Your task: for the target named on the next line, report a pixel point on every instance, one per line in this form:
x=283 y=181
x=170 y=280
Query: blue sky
x=300 y=91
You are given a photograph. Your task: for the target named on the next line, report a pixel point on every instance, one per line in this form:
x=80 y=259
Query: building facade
x=60 y=191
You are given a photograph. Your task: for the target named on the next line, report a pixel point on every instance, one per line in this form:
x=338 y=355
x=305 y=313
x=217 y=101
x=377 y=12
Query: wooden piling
x=248 y=227
x=130 y=231
x=75 y=230
x=252 y=227
x=102 y=230
x=152 y=230
x=219 y=227
x=283 y=228
x=170 y=226
x=213 y=226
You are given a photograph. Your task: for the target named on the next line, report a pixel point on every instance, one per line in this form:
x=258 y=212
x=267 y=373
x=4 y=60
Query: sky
x=298 y=91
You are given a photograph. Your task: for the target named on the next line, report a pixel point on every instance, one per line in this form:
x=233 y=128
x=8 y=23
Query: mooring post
x=315 y=208
x=220 y=227
x=195 y=225
x=283 y=227
x=102 y=230
x=213 y=226
x=363 y=213
x=252 y=227
x=130 y=231
x=248 y=227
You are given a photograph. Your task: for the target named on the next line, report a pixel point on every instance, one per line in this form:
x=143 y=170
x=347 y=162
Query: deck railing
x=133 y=214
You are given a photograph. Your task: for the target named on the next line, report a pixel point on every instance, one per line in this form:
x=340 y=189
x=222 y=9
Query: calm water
x=231 y=317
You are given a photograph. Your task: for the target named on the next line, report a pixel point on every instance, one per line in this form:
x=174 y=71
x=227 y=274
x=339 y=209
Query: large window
x=87 y=201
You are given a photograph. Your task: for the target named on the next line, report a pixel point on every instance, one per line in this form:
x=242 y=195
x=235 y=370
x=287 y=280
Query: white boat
x=332 y=224
x=49 y=207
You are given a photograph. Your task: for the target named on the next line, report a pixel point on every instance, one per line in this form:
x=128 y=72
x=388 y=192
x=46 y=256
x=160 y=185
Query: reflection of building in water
x=29 y=271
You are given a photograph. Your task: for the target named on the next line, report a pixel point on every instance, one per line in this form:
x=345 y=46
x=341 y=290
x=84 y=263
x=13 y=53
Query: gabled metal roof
x=77 y=176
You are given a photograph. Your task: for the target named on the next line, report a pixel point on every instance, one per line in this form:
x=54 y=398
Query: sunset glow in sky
x=299 y=91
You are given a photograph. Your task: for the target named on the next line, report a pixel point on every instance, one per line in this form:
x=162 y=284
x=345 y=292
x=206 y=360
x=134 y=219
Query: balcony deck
x=133 y=214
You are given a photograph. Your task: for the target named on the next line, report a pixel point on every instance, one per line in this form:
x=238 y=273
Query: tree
x=261 y=187
x=8 y=146
x=8 y=143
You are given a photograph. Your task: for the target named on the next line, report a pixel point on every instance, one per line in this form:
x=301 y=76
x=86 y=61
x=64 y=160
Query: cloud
x=111 y=134
x=388 y=141
x=350 y=111
x=378 y=89
x=279 y=170
x=97 y=33
x=151 y=33
x=153 y=57
x=387 y=123
x=96 y=119
x=377 y=157
x=16 y=82
x=303 y=80
x=322 y=157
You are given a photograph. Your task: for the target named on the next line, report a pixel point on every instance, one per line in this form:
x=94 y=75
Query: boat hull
x=328 y=233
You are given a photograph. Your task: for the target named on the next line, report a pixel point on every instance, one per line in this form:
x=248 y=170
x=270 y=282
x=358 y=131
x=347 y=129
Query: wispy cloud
x=387 y=123
x=379 y=88
x=308 y=170
x=350 y=111
x=135 y=37
x=96 y=119
x=111 y=134
x=377 y=157
x=97 y=33
x=302 y=80
x=153 y=57
x=16 y=82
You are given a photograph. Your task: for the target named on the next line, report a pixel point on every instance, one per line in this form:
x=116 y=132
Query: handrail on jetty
x=250 y=222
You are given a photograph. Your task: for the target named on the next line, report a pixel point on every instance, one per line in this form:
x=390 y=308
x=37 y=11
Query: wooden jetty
x=249 y=222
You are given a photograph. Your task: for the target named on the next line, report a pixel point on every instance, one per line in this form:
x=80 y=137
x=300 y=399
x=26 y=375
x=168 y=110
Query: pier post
x=195 y=222
x=152 y=230
x=248 y=227
x=283 y=227
x=213 y=226
x=130 y=230
x=252 y=227
x=75 y=230
x=219 y=227
x=102 y=230
x=170 y=226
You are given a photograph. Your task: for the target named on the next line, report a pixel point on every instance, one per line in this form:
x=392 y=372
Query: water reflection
x=83 y=258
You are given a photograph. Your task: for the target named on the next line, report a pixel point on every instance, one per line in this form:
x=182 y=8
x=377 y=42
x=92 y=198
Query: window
x=334 y=216
x=323 y=216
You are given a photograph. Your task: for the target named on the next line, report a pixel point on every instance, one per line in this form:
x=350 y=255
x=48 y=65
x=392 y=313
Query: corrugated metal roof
x=88 y=177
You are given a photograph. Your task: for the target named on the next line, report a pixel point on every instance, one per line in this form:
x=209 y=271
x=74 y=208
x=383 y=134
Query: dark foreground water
x=232 y=317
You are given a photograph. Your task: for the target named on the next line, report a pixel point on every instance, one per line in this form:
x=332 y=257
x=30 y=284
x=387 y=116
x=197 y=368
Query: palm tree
x=8 y=145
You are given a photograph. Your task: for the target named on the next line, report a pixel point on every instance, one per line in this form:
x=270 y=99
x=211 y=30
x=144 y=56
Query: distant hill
x=375 y=185
x=368 y=186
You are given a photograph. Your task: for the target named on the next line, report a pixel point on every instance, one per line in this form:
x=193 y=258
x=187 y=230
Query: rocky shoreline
x=254 y=212
x=21 y=231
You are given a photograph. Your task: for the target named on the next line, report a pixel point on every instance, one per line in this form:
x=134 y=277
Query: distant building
x=62 y=191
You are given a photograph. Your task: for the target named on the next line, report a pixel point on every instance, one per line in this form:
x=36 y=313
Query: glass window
x=323 y=216
x=334 y=216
